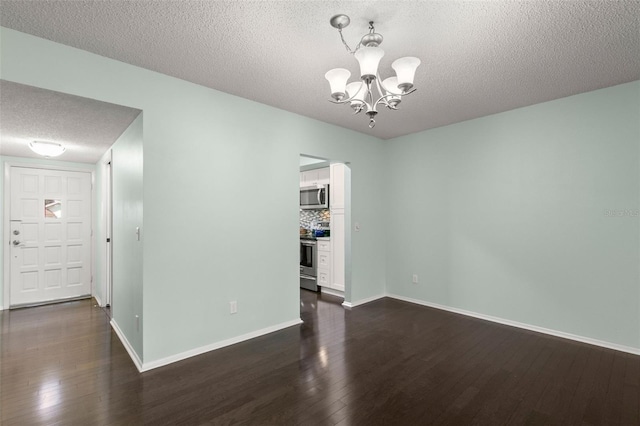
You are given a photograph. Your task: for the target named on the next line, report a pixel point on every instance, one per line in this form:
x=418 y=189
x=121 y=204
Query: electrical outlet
x=415 y=278
x=233 y=307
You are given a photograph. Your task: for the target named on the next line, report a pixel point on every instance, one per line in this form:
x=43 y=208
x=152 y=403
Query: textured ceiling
x=86 y=127
x=478 y=57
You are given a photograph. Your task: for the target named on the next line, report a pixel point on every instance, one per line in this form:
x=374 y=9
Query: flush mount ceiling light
x=359 y=94
x=47 y=149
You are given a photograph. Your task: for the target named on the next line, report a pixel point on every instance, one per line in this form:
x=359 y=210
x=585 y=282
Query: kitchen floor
x=384 y=363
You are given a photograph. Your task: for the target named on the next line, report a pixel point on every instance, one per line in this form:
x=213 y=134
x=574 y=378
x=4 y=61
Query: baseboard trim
x=332 y=292
x=362 y=301
x=127 y=345
x=98 y=301
x=551 y=332
x=217 y=345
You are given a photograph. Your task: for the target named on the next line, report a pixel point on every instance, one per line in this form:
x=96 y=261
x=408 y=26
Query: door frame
x=347 y=298
x=108 y=228
x=6 y=234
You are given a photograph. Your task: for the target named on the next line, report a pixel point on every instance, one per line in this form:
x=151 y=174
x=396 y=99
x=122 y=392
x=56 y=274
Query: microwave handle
x=319 y=194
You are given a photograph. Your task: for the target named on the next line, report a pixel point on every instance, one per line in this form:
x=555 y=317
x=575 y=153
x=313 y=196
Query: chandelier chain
x=346 y=45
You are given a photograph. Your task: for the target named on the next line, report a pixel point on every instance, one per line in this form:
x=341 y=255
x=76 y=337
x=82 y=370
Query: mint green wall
x=26 y=161
x=505 y=215
x=206 y=243
x=127 y=166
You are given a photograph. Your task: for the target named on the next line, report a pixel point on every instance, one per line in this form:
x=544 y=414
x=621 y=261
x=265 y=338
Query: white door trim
x=6 y=237
x=108 y=228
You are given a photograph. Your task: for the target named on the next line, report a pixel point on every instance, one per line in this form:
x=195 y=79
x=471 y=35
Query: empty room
x=459 y=182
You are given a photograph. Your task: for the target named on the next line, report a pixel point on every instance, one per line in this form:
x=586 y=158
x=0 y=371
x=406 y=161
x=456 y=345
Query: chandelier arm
x=381 y=92
x=386 y=103
x=344 y=101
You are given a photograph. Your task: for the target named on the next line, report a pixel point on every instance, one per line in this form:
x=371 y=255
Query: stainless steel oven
x=314 y=197
x=308 y=265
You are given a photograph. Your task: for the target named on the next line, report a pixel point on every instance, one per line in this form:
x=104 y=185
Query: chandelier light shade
x=391 y=86
x=47 y=149
x=405 y=69
x=337 y=78
x=359 y=94
x=369 y=59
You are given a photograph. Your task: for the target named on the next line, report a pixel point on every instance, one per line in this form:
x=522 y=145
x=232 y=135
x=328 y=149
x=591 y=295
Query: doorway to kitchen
x=325 y=217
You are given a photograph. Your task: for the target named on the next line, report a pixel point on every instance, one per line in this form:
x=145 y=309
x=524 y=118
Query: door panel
x=50 y=235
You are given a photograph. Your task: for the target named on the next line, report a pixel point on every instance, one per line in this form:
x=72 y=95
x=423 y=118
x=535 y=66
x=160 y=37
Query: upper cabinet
x=315 y=177
x=324 y=176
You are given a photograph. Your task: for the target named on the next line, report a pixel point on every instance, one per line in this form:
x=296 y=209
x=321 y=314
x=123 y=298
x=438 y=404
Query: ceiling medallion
x=359 y=94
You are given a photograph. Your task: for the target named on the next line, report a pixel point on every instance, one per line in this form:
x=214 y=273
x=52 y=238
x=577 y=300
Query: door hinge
x=91 y=278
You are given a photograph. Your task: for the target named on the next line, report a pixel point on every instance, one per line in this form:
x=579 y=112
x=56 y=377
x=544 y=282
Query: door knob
x=16 y=242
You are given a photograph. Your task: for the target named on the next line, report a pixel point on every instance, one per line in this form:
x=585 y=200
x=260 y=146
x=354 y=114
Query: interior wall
x=26 y=161
x=220 y=197
x=127 y=190
x=529 y=215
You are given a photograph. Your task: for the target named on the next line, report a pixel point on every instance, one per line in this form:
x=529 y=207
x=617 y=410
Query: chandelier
x=359 y=94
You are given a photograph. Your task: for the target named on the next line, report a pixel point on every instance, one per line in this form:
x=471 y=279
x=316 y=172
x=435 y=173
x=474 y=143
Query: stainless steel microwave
x=314 y=197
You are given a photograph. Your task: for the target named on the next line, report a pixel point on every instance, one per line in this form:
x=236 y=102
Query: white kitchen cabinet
x=324 y=176
x=315 y=177
x=309 y=178
x=340 y=222
x=324 y=263
x=338 y=251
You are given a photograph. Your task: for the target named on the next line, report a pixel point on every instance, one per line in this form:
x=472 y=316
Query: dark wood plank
x=387 y=362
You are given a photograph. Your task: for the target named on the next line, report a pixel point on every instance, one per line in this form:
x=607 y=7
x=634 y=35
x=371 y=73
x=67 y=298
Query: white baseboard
x=95 y=296
x=207 y=348
x=362 y=301
x=132 y=353
x=332 y=292
x=556 y=333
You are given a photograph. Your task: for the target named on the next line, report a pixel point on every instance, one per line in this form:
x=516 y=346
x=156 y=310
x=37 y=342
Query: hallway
x=387 y=362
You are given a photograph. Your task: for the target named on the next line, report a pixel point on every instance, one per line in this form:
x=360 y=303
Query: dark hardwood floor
x=384 y=363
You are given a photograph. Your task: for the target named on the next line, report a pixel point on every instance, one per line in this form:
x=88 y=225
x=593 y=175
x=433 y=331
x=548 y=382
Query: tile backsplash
x=308 y=218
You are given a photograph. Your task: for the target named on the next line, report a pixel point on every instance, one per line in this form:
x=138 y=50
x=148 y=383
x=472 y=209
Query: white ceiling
x=86 y=127
x=478 y=57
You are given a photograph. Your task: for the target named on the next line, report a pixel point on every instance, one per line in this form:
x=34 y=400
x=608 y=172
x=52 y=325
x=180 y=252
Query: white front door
x=50 y=235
